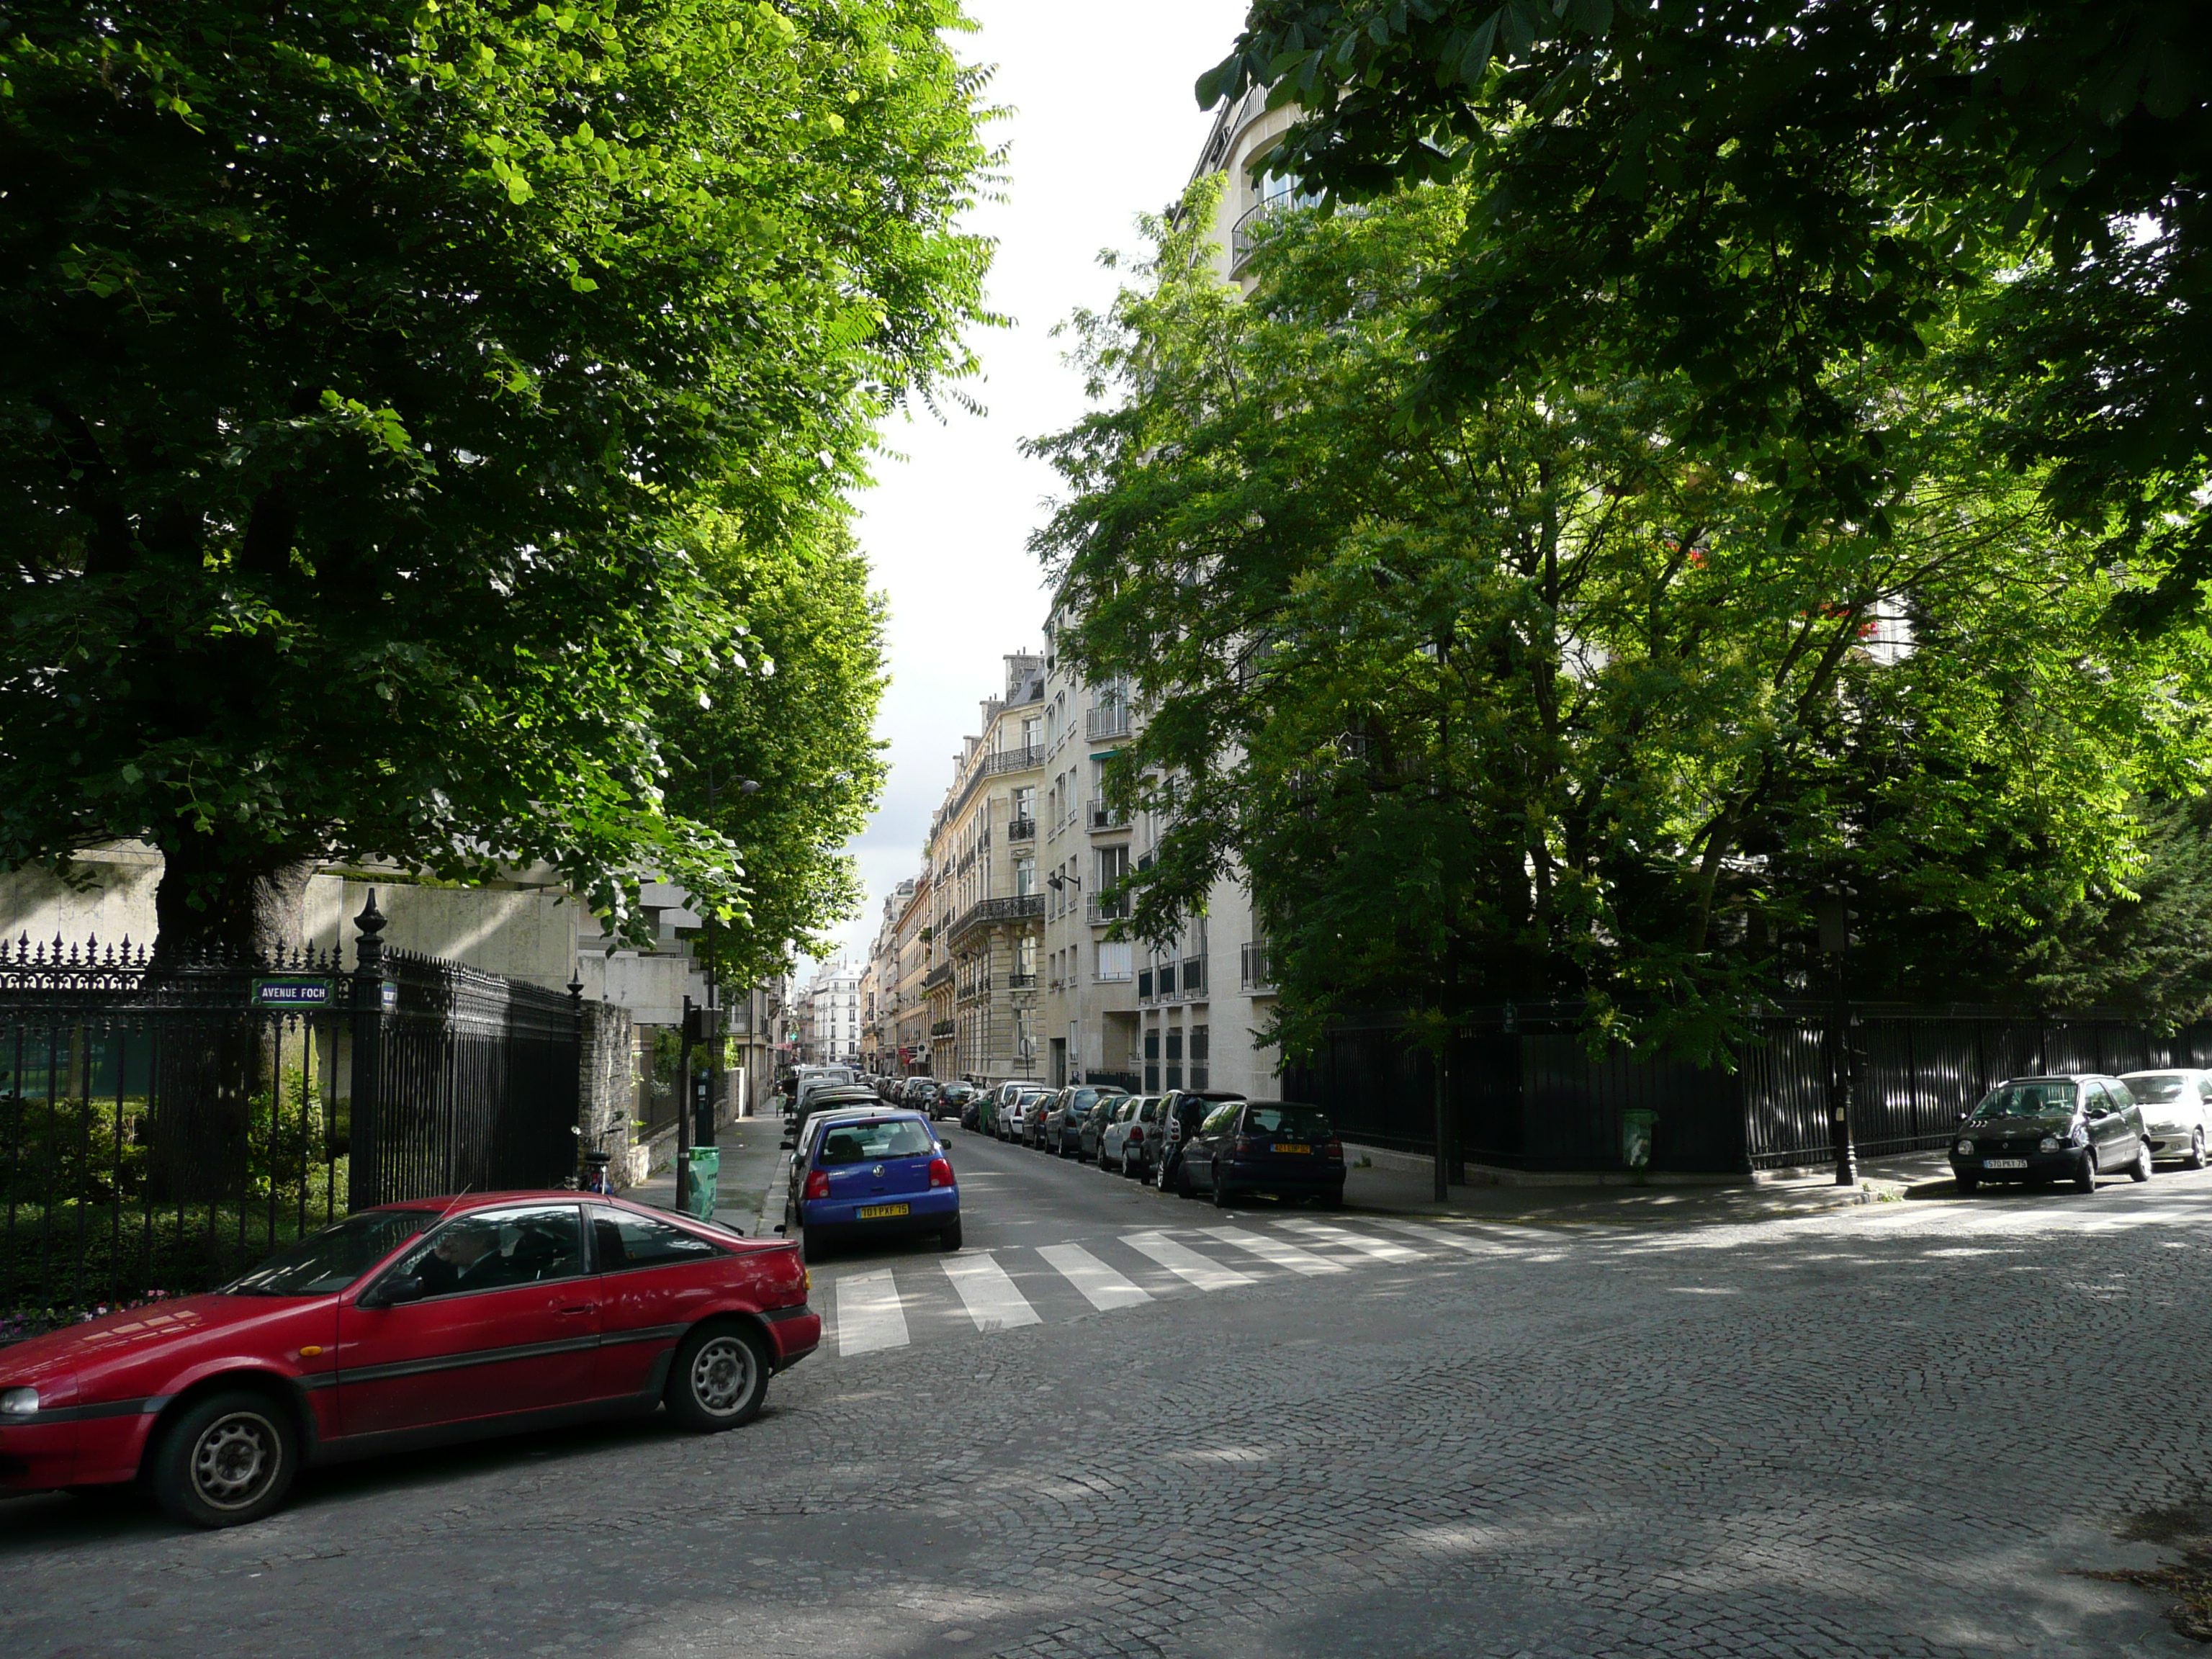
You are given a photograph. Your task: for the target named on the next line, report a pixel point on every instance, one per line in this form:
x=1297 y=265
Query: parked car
x=851 y=1099
x=870 y=1175
x=972 y=1110
x=1130 y=1135
x=1061 y=1131
x=1182 y=1110
x=952 y=1100
x=2177 y=1109
x=923 y=1094
x=1033 y=1120
x=1095 y=1121
x=2072 y=1127
x=1014 y=1118
x=1280 y=1147
x=409 y=1324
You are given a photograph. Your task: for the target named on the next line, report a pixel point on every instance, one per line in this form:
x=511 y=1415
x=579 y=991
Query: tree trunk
x=247 y=914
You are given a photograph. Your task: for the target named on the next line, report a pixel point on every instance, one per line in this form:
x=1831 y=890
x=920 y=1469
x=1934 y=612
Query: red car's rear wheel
x=718 y=1379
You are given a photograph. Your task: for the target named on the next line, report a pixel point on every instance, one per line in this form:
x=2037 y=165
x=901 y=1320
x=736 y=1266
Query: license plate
x=1289 y=1147
x=877 y=1211
x=2005 y=1164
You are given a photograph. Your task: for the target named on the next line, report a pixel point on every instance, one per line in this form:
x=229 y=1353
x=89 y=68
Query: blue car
x=862 y=1174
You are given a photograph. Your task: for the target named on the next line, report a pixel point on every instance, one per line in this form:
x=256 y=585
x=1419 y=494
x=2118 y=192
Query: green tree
x=1523 y=698
x=781 y=758
x=1745 y=192
x=365 y=366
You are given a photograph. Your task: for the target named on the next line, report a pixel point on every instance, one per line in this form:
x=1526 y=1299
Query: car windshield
x=333 y=1258
x=2155 y=1086
x=1302 y=1122
x=865 y=1143
x=2038 y=1099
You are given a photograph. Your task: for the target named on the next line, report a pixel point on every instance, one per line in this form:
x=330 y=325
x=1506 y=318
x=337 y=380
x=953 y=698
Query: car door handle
x=579 y=1308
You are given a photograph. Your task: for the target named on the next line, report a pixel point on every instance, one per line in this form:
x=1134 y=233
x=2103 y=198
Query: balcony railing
x=940 y=975
x=1256 y=972
x=1110 y=976
x=1101 y=911
x=1022 y=829
x=1021 y=981
x=1108 y=720
x=1103 y=816
x=998 y=909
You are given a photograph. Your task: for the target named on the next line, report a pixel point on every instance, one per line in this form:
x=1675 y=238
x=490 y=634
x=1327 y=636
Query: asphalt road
x=1109 y=1427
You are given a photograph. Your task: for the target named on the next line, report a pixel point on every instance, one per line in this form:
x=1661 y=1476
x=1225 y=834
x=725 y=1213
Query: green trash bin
x=1636 y=1125
x=706 y=1173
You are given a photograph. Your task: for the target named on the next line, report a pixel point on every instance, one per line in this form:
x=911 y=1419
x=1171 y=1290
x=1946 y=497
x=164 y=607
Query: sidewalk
x=1396 y=1183
x=751 y=1187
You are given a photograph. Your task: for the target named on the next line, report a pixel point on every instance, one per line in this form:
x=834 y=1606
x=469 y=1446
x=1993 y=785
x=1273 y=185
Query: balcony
x=1018 y=908
x=940 y=975
x=1101 y=911
x=1103 y=816
x=1022 y=829
x=1110 y=976
x=1021 y=981
x=943 y=1028
x=1110 y=720
x=1256 y=972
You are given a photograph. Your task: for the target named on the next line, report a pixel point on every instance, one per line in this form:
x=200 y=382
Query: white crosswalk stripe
x=993 y=1302
x=1274 y=1250
x=1382 y=1249
x=1184 y=1262
x=869 y=1314
x=1100 y=1285
x=1442 y=1236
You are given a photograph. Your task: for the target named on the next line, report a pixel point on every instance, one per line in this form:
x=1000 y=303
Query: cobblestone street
x=1904 y=1429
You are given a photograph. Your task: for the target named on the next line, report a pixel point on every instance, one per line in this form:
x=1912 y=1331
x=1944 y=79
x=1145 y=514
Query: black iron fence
x=164 y=1123
x=1527 y=1092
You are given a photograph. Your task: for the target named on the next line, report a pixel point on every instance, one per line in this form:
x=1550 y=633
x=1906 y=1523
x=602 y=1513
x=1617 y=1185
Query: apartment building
x=833 y=1004
x=914 y=951
x=989 y=904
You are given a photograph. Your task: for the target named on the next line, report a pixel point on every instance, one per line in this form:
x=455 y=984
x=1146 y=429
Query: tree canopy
x=1524 y=698
x=369 y=370
x=1743 y=191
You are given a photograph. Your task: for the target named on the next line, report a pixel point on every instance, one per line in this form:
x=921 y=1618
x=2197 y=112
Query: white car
x=1014 y=1120
x=2177 y=1109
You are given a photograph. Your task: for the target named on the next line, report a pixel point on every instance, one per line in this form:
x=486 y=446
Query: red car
x=412 y=1325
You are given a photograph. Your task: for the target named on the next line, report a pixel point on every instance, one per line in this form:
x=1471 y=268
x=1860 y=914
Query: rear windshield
x=2038 y=1099
x=866 y=1143
x=1298 y=1122
x=2155 y=1086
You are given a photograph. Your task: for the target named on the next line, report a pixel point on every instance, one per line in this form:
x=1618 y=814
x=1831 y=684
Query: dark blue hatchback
x=871 y=1174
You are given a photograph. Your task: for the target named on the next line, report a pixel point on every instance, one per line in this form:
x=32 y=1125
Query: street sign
x=390 y=989
x=293 y=993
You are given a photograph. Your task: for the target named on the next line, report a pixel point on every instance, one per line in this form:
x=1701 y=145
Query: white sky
x=1104 y=127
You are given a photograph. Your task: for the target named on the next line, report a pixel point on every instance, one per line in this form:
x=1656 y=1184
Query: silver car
x=2177 y=1109
x=1130 y=1135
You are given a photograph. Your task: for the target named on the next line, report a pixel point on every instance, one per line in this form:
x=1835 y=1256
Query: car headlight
x=2049 y=1143
x=19 y=1402
x=1964 y=1149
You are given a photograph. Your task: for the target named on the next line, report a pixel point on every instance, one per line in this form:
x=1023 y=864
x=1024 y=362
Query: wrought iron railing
x=1108 y=720
x=1255 y=972
x=984 y=911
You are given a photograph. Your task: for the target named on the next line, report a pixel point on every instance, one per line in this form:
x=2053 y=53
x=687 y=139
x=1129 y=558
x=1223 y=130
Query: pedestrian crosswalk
x=872 y=1308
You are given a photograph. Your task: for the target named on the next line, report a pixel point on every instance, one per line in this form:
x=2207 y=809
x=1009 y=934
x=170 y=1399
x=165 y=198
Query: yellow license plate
x=875 y=1212
x=1289 y=1147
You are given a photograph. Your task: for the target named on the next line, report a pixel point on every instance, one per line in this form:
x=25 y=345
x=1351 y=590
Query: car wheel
x=2084 y=1178
x=229 y=1460
x=1126 y=1172
x=949 y=1237
x=1968 y=1183
x=2139 y=1170
x=718 y=1379
x=2195 y=1158
x=1220 y=1192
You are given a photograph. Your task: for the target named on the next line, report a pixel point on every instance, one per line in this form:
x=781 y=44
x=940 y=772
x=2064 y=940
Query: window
x=1114 y=960
x=333 y=1258
x=1200 y=1045
x=869 y=1143
x=1174 y=1055
x=623 y=1241
x=1025 y=798
x=1305 y=1122
x=1113 y=865
x=489 y=1250
x=1025 y=877
x=1221 y=1117
x=1032 y=737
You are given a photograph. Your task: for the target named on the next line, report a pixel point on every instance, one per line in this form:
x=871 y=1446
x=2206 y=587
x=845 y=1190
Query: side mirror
x=393 y=1292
